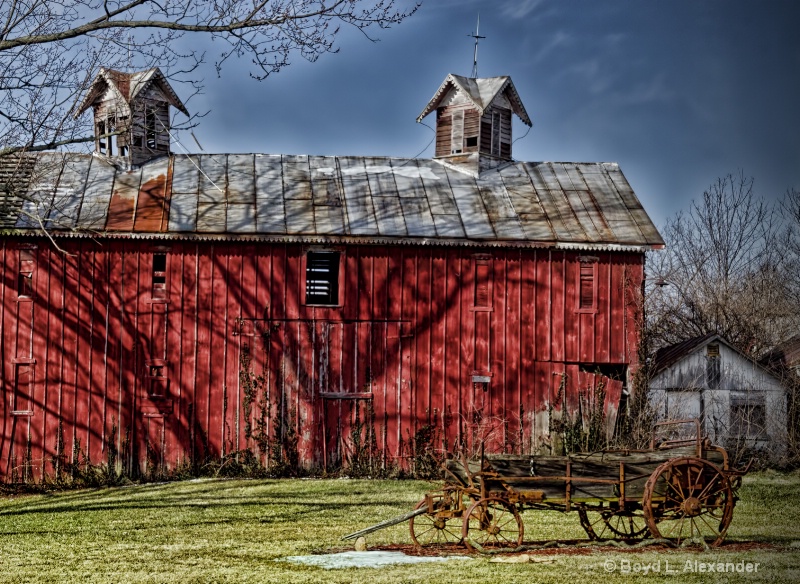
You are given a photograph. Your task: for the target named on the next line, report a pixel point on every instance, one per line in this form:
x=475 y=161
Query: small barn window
x=322 y=278
x=587 y=284
x=483 y=283
x=157 y=379
x=25 y=274
x=713 y=370
x=159 y=289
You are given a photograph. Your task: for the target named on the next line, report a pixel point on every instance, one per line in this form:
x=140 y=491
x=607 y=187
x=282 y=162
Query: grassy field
x=238 y=530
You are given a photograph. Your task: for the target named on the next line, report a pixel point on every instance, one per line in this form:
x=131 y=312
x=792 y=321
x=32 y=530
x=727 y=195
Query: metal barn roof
x=333 y=198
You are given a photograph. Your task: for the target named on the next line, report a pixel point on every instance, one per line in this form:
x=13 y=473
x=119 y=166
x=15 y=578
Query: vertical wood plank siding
x=400 y=352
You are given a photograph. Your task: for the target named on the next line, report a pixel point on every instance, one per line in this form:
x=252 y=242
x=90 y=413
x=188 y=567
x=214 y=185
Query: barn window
x=713 y=372
x=322 y=278
x=482 y=295
x=587 y=283
x=159 y=289
x=748 y=416
x=25 y=275
x=157 y=379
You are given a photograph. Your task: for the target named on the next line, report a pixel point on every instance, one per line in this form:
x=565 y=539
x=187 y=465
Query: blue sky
x=677 y=92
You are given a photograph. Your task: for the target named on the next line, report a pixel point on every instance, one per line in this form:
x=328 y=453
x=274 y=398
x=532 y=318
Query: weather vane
x=477 y=37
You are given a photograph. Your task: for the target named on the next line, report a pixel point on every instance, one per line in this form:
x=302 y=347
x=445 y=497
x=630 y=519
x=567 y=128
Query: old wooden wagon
x=682 y=488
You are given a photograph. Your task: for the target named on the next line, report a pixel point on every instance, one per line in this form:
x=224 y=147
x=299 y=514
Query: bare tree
x=50 y=50
x=724 y=271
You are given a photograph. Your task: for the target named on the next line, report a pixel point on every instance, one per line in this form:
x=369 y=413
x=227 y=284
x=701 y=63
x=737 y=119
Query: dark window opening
x=713 y=370
x=322 y=278
x=25 y=275
x=472 y=142
x=586 y=286
x=159 y=275
x=101 y=142
x=150 y=127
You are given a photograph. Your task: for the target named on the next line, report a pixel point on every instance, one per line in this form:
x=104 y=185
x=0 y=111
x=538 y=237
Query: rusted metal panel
x=152 y=205
x=123 y=201
x=270 y=211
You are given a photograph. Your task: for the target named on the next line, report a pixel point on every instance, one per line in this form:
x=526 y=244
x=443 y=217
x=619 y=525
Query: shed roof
x=668 y=356
x=334 y=198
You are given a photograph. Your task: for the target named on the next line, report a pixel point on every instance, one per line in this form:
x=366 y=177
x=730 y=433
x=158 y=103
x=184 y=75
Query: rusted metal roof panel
x=123 y=200
x=152 y=204
x=588 y=205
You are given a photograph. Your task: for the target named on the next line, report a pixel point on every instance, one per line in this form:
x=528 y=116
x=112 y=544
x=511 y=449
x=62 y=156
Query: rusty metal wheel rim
x=431 y=529
x=688 y=499
x=610 y=524
x=492 y=523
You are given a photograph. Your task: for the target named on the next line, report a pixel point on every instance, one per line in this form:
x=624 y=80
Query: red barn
x=161 y=310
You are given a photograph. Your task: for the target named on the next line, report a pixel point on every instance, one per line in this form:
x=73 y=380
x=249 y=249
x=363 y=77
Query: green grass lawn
x=237 y=531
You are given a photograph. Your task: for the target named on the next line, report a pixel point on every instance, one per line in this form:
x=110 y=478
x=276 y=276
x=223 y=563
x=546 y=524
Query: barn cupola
x=131 y=114
x=473 y=121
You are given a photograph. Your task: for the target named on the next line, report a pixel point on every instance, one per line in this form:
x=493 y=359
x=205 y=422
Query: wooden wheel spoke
x=696 y=496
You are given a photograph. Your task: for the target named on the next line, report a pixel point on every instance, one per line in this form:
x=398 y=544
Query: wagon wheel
x=608 y=524
x=688 y=498
x=442 y=526
x=492 y=523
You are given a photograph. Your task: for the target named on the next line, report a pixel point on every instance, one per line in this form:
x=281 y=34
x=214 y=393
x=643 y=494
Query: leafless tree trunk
x=724 y=271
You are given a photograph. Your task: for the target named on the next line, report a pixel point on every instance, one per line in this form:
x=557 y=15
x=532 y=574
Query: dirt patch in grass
x=574 y=548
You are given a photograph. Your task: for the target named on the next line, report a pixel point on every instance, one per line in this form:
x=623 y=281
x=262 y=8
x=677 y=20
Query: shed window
x=322 y=278
x=587 y=294
x=748 y=416
x=159 y=275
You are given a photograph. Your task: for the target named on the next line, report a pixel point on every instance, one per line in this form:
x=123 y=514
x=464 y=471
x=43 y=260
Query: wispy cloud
x=519 y=8
x=559 y=40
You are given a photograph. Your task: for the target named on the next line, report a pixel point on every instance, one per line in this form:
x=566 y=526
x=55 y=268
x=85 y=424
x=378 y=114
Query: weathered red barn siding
x=78 y=351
